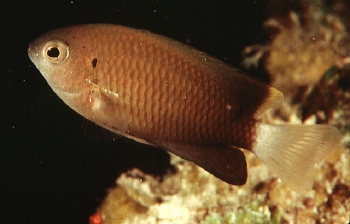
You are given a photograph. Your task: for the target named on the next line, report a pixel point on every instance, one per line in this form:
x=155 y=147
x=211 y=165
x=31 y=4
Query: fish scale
x=158 y=84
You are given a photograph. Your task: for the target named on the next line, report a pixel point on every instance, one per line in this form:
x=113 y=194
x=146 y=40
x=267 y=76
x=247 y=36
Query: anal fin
x=226 y=163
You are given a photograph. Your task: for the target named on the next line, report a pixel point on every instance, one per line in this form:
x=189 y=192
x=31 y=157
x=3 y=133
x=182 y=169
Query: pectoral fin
x=97 y=133
x=228 y=164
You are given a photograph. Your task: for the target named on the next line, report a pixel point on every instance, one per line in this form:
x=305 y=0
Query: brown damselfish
x=161 y=92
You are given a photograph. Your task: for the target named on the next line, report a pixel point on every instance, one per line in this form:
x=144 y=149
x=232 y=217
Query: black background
x=50 y=171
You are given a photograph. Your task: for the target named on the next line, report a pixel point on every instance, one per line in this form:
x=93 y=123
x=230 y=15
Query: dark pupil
x=53 y=52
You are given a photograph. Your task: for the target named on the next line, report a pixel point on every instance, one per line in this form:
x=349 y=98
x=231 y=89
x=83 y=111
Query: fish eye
x=56 y=51
x=53 y=52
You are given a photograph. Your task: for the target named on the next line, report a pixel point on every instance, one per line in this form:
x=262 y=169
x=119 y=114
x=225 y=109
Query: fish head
x=65 y=58
x=58 y=56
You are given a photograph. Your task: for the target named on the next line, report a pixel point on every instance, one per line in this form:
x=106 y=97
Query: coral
x=191 y=195
x=308 y=59
x=299 y=53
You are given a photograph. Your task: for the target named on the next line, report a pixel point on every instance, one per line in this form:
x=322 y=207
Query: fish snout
x=31 y=53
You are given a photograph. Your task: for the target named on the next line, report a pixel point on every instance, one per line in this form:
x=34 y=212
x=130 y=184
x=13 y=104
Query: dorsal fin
x=273 y=99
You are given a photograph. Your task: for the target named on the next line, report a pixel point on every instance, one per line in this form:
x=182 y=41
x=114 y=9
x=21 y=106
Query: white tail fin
x=291 y=151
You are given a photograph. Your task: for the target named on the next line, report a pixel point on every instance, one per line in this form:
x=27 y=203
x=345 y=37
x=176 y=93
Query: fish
x=161 y=92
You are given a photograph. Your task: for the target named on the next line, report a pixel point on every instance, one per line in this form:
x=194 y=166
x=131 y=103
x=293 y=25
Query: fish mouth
x=30 y=53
